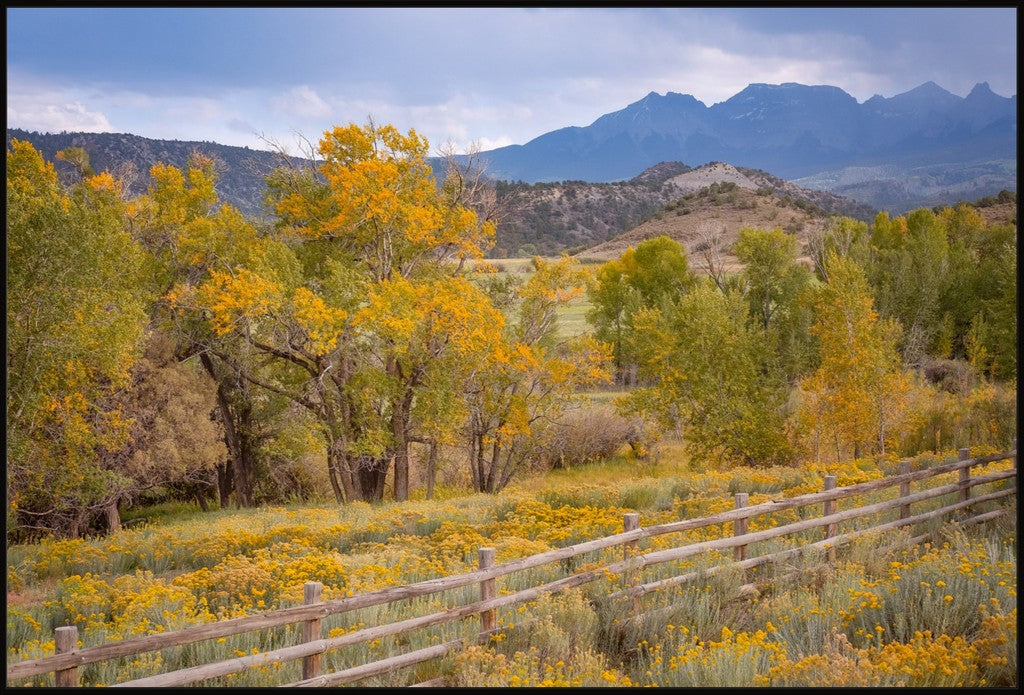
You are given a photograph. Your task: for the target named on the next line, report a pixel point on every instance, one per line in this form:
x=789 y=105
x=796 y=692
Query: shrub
x=583 y=436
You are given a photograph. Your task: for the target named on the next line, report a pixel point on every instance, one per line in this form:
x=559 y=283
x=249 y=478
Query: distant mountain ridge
x=809 y=134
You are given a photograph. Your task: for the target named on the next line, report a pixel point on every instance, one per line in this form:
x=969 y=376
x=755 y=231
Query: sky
x=462 y=77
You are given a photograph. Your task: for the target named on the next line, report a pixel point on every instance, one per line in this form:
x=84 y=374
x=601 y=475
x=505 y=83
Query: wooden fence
x=65 y=663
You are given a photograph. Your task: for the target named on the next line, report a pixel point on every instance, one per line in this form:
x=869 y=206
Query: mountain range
x=918 y=148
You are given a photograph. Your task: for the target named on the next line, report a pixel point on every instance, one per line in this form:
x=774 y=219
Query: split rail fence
x=69 y=658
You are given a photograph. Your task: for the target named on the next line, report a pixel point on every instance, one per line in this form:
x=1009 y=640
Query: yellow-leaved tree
x=529 y=376
x=372 y=307
x=858 y=394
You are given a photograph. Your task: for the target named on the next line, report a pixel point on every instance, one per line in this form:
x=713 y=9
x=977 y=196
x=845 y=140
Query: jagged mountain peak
x=980 y=89
x=791 y=129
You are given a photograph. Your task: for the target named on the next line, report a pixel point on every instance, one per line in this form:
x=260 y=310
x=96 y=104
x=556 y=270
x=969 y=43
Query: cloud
x=56 y=117
x=448 y=72
x=301 y=102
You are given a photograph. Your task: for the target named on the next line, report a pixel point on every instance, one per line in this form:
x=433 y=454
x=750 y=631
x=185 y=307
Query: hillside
x=717 y=200
x=241 y=170
x=548 y=218
x=717 y=211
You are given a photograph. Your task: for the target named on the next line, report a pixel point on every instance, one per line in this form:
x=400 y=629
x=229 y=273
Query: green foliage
x=75 y=319
x=908 y=272
x=779 y=291
x=709 y=364
x=653 y=275
x=939 y=274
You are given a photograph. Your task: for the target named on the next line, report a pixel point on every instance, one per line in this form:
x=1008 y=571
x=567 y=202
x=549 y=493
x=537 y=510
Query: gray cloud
x=493 y=74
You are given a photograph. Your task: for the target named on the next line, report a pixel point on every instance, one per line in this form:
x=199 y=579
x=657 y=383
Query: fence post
x=311 y=592
x=830 y=509
x=965 y=477
x=904 y=489
x=488 y=619
x=739 y=527
x=66 y=640
x=630 y=522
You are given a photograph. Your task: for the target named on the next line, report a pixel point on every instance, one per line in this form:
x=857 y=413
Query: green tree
x=709 y=362
x=75 y=321
x=908 y=270
x=778 y=290
x=654 y=274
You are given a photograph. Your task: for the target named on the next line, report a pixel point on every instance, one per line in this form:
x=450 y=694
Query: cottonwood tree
x=173 y=442
x=858 y=393
x=75 y=322
x=778 y=290
x=529 y=377
x=371 y=303
x=654 y=274
x=710 y=370
x=190 y=236
x=908 y=269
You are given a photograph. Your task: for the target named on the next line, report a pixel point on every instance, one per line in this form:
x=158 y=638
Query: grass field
x=572 y=317
x=941 y=614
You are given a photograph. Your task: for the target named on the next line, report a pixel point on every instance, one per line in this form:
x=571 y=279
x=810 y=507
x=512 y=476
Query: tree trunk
x=400 y=431
x=475 y=466
x=113 y=517
x=243 y=464
x=401 y=468
x=201 y=499
x=491 y=479
x=80 y=524
x=332 y=474
x=372 y=473
x=431 y=468
x=239 y=449
x=224 y=484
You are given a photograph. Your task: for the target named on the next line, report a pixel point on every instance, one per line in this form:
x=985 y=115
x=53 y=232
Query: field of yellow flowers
x=941 y=613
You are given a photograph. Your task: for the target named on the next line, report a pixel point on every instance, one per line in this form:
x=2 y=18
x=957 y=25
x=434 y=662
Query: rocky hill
x=707 y=219
x=549 y=218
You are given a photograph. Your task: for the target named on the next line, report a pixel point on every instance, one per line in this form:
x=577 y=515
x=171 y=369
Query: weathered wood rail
x=65 y=664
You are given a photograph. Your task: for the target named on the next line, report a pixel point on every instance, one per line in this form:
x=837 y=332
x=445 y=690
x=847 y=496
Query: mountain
x=927 y=143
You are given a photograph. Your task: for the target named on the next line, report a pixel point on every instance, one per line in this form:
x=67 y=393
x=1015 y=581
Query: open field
x=572 y=317
x=939 y=614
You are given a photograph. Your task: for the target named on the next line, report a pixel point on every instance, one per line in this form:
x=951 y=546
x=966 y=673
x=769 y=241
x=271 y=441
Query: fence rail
x=310 y=615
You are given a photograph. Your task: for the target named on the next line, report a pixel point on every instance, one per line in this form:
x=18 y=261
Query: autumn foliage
x=167 y=347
